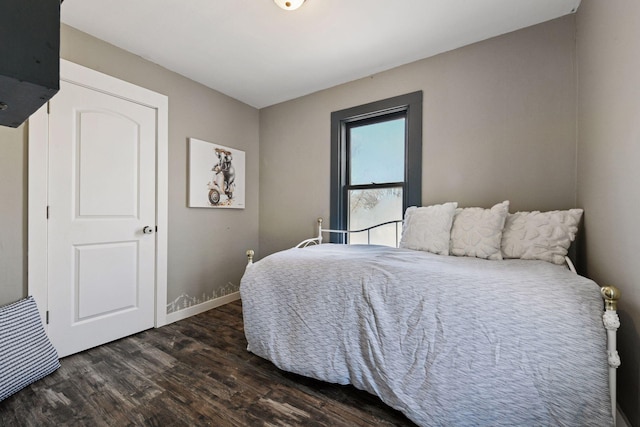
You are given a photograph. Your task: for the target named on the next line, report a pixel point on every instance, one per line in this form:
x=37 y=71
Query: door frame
x=38 y=129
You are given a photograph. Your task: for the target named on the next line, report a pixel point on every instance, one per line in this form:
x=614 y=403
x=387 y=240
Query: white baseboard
x=621 y=419
x=202 y=307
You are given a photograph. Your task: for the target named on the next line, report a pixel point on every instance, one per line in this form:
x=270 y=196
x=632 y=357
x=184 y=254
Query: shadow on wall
x=25 y=209
x=628 y=374
x=578 y=249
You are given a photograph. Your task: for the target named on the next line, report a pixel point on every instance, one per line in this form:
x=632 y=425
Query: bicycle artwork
x=216 y=175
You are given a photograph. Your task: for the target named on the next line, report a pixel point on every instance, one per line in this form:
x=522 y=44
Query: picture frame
x=216 y=176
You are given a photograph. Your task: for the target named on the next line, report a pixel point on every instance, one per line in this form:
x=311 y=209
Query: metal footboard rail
x=318 y=239
x=611 y=321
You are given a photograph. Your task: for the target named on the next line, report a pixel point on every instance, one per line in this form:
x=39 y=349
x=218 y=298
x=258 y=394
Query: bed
x=447 y=340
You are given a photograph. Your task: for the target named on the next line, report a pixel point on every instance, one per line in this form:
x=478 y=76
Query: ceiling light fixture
x=289 y=4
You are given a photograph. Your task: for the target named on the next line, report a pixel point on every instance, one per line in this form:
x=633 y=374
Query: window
x=376 y=166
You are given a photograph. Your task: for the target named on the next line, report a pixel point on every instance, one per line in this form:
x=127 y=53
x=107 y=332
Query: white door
x=102 y=218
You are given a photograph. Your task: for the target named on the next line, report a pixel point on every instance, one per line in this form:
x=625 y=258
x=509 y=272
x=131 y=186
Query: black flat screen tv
x=29 y=57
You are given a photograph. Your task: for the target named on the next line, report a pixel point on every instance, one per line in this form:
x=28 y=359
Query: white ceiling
x=260 y=54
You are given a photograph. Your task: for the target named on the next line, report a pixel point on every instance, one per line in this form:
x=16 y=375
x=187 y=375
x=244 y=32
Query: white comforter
x=449 y=341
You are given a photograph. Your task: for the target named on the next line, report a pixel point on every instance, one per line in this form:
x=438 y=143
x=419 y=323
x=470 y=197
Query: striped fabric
x=26 y=354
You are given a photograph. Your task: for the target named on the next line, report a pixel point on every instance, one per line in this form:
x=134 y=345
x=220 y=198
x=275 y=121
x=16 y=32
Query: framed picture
x=216 y=176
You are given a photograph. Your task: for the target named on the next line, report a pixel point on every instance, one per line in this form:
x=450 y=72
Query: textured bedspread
x=449 y=341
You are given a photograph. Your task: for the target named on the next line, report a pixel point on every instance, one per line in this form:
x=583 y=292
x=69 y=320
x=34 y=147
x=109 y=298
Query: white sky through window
x=377 y=152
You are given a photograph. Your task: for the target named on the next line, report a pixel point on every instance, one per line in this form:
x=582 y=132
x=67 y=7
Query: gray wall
x=206 y=246
x=13 y=211
x=498 y=123
x=608 y=41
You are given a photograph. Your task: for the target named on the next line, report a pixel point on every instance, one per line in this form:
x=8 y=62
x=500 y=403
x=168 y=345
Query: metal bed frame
x=318 y=239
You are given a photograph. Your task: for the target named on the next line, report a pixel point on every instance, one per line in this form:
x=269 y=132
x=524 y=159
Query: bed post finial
x=611 y=295
x=250 y=254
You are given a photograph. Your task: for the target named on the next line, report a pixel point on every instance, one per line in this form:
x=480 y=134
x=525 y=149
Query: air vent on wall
x=29 y=57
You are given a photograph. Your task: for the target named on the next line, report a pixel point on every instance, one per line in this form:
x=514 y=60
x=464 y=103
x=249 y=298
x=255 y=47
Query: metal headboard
x=318 y=239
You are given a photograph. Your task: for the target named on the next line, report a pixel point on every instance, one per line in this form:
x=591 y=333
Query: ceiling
x=260 y=54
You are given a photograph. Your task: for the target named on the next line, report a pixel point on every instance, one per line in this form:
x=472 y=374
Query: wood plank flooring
x=195 y=372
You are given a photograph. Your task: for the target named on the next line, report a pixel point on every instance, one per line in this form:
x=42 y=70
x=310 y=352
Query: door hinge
x=47 y=319
x=47 y=212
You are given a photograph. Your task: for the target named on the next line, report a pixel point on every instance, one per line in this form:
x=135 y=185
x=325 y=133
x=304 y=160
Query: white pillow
x=428 y=228
x=477 y=232
x=540 y=235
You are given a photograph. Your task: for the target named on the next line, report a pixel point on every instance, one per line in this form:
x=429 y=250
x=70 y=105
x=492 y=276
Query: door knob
x=147 y=230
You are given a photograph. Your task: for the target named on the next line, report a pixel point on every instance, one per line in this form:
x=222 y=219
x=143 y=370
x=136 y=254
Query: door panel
x=101 y=266
x=108 y=147
x=101 y=289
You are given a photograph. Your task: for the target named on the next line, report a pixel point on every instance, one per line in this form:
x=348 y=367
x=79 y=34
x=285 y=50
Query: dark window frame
x=409 y=106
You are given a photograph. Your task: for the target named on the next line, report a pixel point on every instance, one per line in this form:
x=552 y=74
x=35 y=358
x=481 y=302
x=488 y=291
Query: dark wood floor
x=195 y=372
